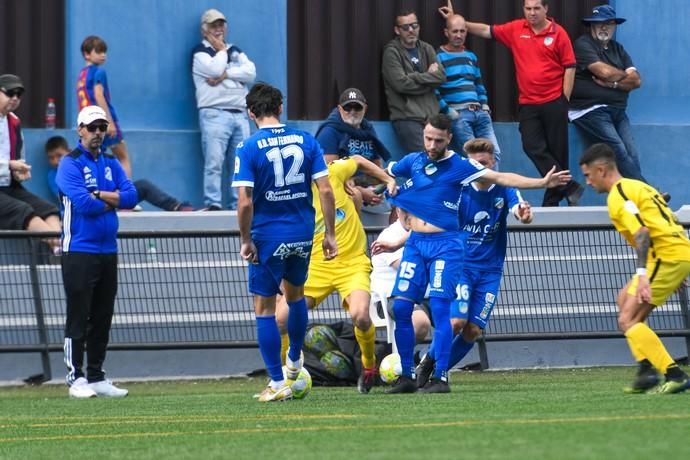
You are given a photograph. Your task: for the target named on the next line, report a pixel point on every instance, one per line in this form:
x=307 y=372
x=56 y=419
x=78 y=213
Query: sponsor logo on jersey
x=283 y=195
x=298 y=249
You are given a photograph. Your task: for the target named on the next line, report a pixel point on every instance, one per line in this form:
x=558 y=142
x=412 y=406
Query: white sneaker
x=107 y=389
x=293 y=368
x=81 y=389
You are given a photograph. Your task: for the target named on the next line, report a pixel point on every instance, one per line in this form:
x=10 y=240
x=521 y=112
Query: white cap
x=89 y=114
x=211 y=16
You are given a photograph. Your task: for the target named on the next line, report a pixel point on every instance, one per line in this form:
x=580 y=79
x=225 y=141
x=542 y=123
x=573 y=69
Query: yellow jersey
x=349 y=232
x=633 y=204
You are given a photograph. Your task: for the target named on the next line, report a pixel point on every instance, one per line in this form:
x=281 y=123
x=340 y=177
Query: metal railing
x=188 y=289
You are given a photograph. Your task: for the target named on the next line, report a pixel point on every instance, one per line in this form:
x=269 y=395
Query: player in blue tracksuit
x=274 y=170
x=483 y=214
x=92 y=186
x=433 y=252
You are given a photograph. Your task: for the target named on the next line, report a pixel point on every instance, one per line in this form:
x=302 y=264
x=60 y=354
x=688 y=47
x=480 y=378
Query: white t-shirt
x=383 y=274
x=5 y=177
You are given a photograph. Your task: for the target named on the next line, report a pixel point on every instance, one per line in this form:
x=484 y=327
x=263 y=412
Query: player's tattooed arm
x=642 y=244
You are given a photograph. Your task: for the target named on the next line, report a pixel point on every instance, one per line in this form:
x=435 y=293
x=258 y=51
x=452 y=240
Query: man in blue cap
x=604 y=77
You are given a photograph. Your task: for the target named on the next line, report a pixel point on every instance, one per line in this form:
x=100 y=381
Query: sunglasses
x=352 y=107
x=102 y=127
x=14 y=92
x=410 y=26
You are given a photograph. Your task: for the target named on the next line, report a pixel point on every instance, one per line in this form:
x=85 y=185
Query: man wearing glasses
x=410 y=76
x=346 y=133
x=604 y=77
x=92 y=187
x=19 y=209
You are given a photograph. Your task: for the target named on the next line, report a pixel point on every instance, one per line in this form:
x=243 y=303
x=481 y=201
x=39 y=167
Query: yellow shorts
x=344 y=276
x=664 y=279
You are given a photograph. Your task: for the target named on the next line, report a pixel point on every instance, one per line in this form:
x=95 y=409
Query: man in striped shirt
x=463 y=96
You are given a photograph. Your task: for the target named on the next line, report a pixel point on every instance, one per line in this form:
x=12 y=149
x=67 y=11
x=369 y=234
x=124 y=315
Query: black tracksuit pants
x=90 y=282
x=544 y=132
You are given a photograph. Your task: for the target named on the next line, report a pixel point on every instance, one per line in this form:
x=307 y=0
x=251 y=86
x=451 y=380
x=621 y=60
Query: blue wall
x=149 y=53
x=657 y=37
x=180 y=172
x=149 y=69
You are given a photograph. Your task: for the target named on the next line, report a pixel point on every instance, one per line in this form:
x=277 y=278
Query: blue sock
x=269 y=344
x=443 y=334
x=404 y=334
x=296 y=327
x=458 y=350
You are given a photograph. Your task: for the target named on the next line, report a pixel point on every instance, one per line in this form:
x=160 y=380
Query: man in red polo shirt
x=545 y=70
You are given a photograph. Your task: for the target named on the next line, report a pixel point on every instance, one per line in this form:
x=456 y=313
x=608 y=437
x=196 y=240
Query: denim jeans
x=221 y=131
x=611 y=126
x=472 y=124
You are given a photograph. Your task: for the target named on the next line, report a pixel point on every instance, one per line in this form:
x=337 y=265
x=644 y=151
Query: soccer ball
x=319 y=339
x=390 y=368
x=301 y=386
x=337 y=364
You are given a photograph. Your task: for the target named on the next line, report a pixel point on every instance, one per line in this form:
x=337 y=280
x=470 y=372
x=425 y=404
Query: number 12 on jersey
x=277 y=155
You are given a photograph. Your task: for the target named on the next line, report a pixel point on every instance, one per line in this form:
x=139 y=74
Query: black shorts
x=18 y=206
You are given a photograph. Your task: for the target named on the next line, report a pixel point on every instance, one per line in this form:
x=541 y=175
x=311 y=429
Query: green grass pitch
x=544 y=414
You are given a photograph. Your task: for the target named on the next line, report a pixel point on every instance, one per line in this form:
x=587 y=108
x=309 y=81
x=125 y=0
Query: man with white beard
x=346 y=133
x=604 y=77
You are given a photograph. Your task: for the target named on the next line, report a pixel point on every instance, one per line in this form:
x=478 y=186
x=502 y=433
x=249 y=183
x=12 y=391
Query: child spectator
x=56 y=147
x=92 y=89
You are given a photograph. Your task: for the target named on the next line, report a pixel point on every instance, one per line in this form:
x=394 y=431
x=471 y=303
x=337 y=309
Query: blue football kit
x=280 y=163
x=431 y=193
x=484 y=231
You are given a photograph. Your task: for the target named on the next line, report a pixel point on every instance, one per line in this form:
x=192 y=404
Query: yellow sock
x=635 y=352
x=284 y=344
x=648 y=345
x=367 y=344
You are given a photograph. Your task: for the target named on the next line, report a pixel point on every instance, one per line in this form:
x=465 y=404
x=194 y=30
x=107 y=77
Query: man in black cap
x=19 y=209
x=346 y=133
x=604 y=77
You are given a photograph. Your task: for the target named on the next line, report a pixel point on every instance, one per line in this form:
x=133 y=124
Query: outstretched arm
x=550 y=180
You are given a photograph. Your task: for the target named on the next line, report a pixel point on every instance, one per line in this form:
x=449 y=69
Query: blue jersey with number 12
x=280 y=163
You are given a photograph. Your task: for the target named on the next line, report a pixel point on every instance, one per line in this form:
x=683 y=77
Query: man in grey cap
x=345 y=133
x=221 y=73
x=19 y=208
x=604 y=77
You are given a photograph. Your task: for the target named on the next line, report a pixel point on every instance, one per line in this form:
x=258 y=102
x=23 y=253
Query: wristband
x=641 y=272
x=97 y=194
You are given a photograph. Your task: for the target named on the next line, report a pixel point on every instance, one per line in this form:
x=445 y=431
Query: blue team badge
x=430 y=169
x=108 y=174
x=499 y=203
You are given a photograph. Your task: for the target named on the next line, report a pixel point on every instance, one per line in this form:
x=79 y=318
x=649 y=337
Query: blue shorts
x=279 y=260
x=433 y=259
x=476 y=296
x=109 y=141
